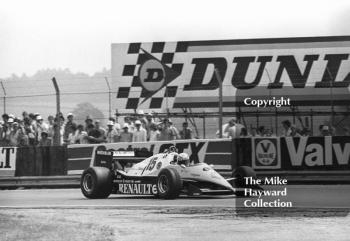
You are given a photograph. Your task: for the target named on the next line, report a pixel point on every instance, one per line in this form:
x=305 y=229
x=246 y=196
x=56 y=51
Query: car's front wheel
x=169 y=184
x=96 y=182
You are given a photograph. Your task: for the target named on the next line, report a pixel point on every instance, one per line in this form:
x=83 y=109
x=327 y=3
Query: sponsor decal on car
x=137 y=188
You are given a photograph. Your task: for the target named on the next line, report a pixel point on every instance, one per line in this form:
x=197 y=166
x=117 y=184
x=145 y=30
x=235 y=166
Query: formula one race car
x=165 y=175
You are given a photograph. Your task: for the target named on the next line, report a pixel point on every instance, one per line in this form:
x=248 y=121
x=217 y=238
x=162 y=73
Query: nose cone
x=212 y=176
x=218 y=179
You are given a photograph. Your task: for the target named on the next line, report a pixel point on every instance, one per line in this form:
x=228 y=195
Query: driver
x=184 y=159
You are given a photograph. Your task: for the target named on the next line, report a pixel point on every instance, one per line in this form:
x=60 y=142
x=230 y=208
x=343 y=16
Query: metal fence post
x=218 y=77
x=58 y=110
x=3 y=88
x=109 y=98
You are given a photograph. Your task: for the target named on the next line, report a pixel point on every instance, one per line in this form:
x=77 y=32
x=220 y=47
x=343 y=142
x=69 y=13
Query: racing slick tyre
x=239 y=174
x=169 y=184
x=96 y=182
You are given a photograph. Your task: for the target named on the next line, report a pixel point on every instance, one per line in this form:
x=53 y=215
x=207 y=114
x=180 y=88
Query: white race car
x=165 y=175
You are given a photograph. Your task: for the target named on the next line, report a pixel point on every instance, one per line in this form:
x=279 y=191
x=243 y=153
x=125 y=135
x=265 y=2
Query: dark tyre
x=239 y=182
x=96 y=182
x=169 y=184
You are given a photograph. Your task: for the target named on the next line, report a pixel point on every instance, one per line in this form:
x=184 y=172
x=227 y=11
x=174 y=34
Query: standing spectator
x=165 y=132
x=142 y=118
x=6 y=130
x=40 y=126
x=186 y=132
x=174 y=132
x=154 y=133
x=44 y=140
x=226 y=127
x=112 y=134
x=5 y=118
x=286 y=128
x=125 y=135
x=127 y=120
x=149 y=123
x=81 y=136
x=94 y=135
x=23 y=139
x=14 y=134
x=139 y=134
x=99 y=128
x=32 y=119
x=34 y=123
x=28 y=130
x=149 y=118
x=116 y=125
x=73 y=136
x=69 y=128
x=234 y=128
x=88 y=122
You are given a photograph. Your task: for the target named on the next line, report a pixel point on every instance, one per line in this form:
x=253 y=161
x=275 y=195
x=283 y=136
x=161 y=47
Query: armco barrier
x=305 y=159
x=41 y=182
x=41 y=161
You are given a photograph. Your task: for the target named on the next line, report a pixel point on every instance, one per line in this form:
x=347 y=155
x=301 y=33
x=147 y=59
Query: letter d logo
x=152 y=75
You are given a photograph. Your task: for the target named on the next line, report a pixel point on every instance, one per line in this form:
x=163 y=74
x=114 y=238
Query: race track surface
x=319 y=212
x=302 y=196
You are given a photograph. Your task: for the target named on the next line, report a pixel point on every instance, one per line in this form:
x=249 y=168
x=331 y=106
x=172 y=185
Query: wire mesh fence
x=38 y=96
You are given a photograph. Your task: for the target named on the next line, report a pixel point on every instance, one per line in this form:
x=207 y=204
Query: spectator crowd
x=234 y=129
x=32 y=130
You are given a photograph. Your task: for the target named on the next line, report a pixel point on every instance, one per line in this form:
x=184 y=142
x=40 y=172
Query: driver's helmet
x=183 y=158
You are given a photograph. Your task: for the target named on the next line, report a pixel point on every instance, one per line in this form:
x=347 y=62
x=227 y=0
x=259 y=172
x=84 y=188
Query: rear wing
x=107 y=158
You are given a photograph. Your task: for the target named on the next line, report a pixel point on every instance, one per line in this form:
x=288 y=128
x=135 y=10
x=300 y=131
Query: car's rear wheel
x=169 y=184
x=96 y=182
x=240 y=175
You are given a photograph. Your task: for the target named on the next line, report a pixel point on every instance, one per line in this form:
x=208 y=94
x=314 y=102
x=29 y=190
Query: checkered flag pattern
x=134 y=92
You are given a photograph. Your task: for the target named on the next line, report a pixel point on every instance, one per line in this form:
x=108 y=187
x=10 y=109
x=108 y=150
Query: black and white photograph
x=174 y=120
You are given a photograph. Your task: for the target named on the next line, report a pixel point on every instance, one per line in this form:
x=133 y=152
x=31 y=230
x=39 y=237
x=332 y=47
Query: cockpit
x=179 y=158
